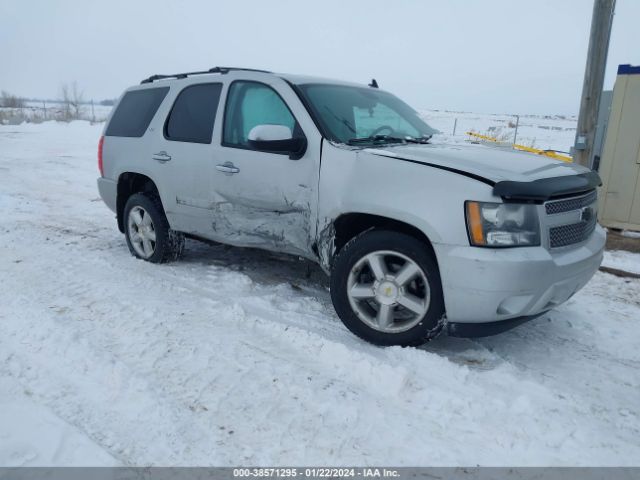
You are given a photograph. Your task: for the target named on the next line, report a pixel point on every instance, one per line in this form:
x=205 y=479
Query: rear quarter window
x=135 y=111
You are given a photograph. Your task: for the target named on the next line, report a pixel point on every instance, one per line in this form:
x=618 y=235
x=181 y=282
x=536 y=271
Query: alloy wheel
x=388 y=291
x=142 y=232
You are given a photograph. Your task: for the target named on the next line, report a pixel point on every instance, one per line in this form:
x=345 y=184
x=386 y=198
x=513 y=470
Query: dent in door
x=193 y=202
x=284 y=229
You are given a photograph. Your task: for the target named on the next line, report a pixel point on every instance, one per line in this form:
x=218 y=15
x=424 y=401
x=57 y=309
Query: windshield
x=357 y=115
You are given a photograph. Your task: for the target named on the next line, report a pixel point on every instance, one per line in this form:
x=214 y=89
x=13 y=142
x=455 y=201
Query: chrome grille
x=569 y=204
x=565 y=235
x=571 y=220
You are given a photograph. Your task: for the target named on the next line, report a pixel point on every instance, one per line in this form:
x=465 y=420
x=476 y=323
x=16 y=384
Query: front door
x=263 y=199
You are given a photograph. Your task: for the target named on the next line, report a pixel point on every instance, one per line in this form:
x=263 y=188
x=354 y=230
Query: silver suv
x=416 y=236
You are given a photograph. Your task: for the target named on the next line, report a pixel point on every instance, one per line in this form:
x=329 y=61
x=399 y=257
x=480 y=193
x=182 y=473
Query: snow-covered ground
x=236 y=356
x=626 y=261
x=546 y=132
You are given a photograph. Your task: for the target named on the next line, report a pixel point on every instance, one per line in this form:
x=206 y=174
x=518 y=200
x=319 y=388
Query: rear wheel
x=147 y=230
x=386 y=289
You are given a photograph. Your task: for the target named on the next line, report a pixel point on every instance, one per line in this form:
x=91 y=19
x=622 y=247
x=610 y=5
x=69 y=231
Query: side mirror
x=277 y=139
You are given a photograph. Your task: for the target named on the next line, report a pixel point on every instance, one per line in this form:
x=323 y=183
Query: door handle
x=161 y=156
x=228 y=168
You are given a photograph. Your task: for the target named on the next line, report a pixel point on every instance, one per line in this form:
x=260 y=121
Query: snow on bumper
x=484 y=285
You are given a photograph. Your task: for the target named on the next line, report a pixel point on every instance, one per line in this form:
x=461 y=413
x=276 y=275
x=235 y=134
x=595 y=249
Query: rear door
x=184 y=158
x=265 y=199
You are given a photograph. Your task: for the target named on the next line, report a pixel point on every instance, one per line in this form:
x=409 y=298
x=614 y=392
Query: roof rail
x=221 y=70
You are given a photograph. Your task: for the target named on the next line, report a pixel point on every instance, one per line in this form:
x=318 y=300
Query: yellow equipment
x=524 y=148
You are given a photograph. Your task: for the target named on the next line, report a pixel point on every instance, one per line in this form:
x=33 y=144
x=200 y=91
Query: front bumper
x=483 y=285
x=475 y=330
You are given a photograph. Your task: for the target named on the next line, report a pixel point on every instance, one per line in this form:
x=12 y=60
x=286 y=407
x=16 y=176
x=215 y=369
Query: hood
x=492 y=163
x=514 y=175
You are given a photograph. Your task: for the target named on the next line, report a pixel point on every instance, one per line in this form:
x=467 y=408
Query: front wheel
x=386 y=289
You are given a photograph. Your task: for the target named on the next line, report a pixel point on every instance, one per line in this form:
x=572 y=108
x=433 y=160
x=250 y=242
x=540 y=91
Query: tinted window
x=193 y=114
x=135 y=111
x=250 y=104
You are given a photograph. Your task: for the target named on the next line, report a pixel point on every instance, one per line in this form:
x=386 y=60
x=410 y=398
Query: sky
x=491 y=56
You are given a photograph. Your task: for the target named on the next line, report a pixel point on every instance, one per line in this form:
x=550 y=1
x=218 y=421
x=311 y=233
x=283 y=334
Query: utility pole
x=593 y=80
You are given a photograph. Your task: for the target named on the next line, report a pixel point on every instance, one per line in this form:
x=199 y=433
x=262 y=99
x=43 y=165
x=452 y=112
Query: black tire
x=169 y=244
x=370 y=241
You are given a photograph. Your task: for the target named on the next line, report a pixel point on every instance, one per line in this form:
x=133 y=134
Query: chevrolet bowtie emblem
x=586 y=214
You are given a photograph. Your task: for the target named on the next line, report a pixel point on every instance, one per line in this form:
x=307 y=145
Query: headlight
x=502 y=224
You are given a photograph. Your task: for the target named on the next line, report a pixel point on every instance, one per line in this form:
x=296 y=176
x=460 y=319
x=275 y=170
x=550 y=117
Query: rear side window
x=135 y=111
x=193 y=114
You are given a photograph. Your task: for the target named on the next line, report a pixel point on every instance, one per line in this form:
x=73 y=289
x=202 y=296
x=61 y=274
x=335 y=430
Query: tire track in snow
x=96 y=391
x=291 y=334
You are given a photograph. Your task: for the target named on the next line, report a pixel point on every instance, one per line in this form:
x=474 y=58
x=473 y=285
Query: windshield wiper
x=375 y=139
x=383 y=139
x=424 y=139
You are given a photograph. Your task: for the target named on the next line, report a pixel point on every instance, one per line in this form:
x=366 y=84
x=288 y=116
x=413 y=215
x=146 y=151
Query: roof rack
x=221 y=70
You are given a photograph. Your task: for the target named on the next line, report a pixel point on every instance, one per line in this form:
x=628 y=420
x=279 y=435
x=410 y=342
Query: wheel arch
x=349 y=225
x=387 y=237
x=128 y=184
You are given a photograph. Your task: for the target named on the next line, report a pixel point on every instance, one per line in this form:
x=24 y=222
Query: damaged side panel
x=326 y=244
x=270 y=201
x=285 y=231
x=353 y=181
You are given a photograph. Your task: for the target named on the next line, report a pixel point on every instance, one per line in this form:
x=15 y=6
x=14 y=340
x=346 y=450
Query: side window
x=135 y=111
x=193 y=114
x=250 y=104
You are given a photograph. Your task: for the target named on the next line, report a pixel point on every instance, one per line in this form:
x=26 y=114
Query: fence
x=38 y=112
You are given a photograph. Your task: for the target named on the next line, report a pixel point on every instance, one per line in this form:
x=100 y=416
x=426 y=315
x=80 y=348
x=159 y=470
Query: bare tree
x=8 y=100
x=72 y=99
